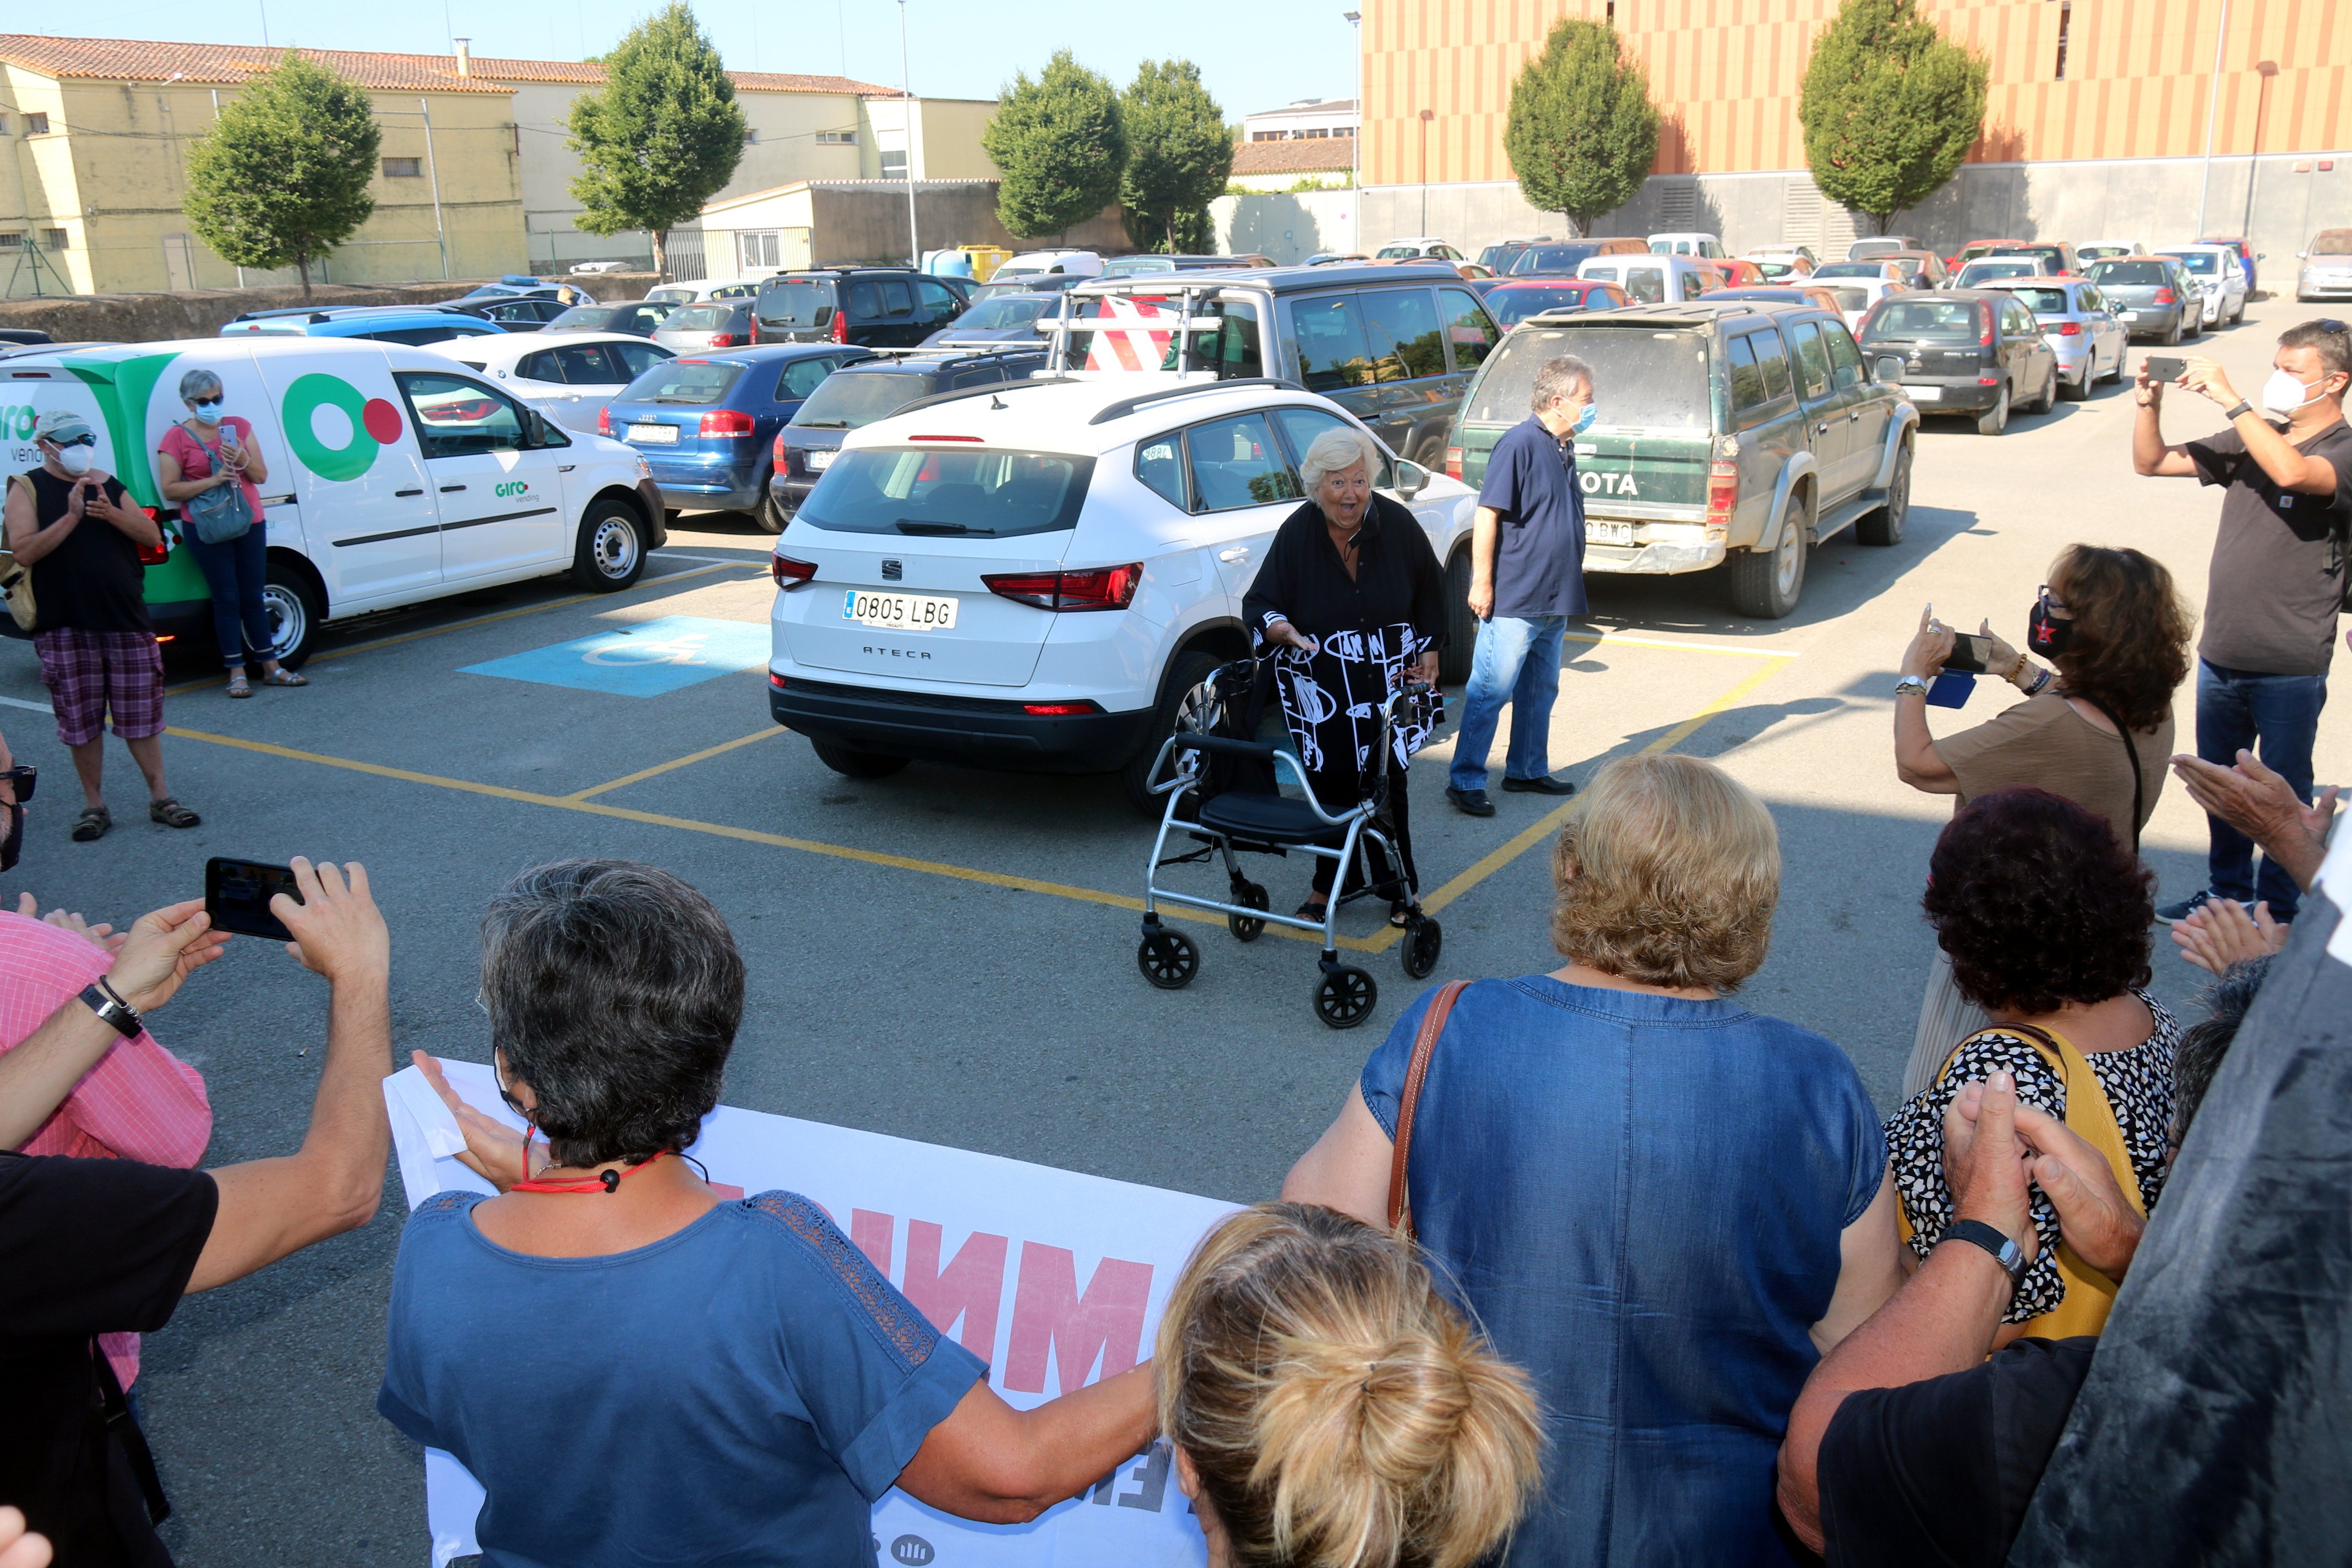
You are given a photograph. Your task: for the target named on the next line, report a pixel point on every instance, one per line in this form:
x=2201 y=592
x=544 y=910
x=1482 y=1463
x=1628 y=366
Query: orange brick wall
x=1725 y=74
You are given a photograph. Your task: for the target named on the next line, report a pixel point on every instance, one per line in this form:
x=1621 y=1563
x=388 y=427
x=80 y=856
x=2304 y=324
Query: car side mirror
x=1887 y=372
x=1411 y=479
x=542 y=432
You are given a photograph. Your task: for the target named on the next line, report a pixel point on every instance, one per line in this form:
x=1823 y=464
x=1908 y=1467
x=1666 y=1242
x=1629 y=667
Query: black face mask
x=2044 y=635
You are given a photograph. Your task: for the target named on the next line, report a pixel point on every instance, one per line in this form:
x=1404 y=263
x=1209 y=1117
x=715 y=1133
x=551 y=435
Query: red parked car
x=1511 y=302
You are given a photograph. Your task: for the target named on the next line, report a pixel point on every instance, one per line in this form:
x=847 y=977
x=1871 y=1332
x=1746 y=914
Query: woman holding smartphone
x=211 y=449
x=2096 y=729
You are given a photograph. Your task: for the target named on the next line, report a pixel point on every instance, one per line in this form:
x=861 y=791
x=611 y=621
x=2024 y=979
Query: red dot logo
x=381 y=420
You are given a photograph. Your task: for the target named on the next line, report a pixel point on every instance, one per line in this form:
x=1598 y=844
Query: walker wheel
x=1243 y=928
x=1168 y=959
x=1344 y=997
x=1424 y=939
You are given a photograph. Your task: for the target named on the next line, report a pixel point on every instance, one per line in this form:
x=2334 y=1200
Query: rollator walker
x=1230 y=780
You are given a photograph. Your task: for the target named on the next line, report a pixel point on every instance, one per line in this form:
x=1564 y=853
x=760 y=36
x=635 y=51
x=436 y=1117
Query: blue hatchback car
x=386 y=323
x=705 y=424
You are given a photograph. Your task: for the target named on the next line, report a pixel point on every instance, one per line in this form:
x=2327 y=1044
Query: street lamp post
x=2266 y=70
x=1356 y=150
x=906 y=129
x=2212 y=108
x=1426 y=116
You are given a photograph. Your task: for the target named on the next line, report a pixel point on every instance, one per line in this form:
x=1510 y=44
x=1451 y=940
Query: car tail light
x=1985 y=340
x=2067 y=329
x=722 y=341
x=840 y=328
x=603 y=422
x=1987 y=381
x=2167 y=297
x=780 y=452
x=729 y=422
x=1095 y=588
x=1059 y=709
x=752 y=337
x=155 y=554
x=789 y=572
x=1453 y=462
x=1722 y=491
x=775 y=681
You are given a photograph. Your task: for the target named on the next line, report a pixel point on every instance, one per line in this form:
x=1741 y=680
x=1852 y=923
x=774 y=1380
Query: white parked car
x=1870 y=291
x=1418 y=246
x=581 y=266
x=1033 y=576
x=568 y=376
x=1070 y=263
x=2107 y=250
x=1690 y=242
x=2220 y=279
x=696 y=293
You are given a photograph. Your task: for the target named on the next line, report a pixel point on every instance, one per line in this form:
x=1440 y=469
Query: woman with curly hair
x=2095 y=728
x=1661 y=1204
x=2045 y=919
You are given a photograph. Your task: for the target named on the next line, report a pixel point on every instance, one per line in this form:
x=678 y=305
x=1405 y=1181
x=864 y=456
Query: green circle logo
x=303 y=400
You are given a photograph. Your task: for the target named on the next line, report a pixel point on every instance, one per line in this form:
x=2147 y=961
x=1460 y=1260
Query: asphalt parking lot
x=948 y=955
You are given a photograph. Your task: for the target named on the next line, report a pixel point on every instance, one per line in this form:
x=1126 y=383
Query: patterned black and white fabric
x=1331 y=698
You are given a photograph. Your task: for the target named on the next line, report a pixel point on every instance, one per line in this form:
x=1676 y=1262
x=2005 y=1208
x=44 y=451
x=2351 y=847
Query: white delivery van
x=396 y=475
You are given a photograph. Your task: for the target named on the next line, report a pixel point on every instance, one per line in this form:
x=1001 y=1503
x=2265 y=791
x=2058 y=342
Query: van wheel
x=1461 y=625
x=1185 y=672
x=612 y=554
x=851 y=762
x=295 y=611
x=1765 y=584
x=1995 y=420
x=1885 y=526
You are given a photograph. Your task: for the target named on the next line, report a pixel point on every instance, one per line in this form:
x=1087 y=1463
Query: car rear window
x=2204 y=263
x=1852 y=298
x=849 y=399
x=2044 y=302
x=795 y=302
x=1977 y=272
x=1852 y=269
x=1005 y=311
x=1642 y=379
x=1518 y=303
x=1907 y=321
x=2332 y=242
x=1553 y=257
x=699 y=380
x=981 y=495
x=2111 y=273
x=698 y=319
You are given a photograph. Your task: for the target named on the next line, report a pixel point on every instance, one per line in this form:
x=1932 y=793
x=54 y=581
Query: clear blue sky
x=1252 y=54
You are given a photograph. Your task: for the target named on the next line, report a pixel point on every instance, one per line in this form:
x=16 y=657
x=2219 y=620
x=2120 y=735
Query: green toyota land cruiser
x=1743 y=431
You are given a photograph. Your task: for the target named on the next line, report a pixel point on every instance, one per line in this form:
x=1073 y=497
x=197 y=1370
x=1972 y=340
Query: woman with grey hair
x=1351 y=562
x=638 y=1370
x=212 y=448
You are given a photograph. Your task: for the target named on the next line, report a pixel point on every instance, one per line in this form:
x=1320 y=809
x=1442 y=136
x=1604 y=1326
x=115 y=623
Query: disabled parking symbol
x=643 y=661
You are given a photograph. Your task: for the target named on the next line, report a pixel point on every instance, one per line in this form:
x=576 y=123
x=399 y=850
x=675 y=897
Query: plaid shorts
x=91 y=673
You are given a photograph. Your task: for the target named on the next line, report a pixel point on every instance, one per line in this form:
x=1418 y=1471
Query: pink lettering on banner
x=872 y=1234
x=1051 y=1318
x=971 y=1286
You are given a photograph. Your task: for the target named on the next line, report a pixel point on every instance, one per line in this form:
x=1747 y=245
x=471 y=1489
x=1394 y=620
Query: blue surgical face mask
x=1584 y=420
x=211 y=412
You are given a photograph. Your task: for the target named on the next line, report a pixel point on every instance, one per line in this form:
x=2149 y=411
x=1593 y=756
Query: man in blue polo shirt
x=1527 y=577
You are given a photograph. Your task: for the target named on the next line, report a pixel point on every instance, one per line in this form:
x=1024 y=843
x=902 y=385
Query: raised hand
x=338 y=930
x=162 y=949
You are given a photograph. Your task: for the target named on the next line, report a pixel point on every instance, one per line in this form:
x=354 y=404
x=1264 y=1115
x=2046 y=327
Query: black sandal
x=91 y=823
x=1311 y=910
x=1400 y=912
x=171 y=813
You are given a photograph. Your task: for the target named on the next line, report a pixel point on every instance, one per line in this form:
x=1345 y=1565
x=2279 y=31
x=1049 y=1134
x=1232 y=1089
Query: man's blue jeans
x=2235 y=709
x=1516 y=661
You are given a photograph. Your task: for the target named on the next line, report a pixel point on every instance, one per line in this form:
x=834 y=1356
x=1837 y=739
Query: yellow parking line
x=707 y=752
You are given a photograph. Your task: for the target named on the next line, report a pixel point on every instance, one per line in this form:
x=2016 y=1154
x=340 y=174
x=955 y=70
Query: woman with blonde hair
x=1328 y=1408
x=1664 y=1207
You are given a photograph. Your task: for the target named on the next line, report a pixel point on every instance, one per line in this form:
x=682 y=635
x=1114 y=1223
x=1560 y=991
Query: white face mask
x=2283 y=395
x=76 y=458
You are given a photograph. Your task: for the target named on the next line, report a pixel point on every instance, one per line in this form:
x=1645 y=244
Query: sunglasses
x=84 y=439
x=24 y=778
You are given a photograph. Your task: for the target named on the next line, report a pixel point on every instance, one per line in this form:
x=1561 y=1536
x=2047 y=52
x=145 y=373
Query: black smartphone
x=2165 y=367
x=1968 y=653
x=237 y=895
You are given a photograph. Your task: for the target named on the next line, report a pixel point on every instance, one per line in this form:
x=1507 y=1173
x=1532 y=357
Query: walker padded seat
x=1267 y=818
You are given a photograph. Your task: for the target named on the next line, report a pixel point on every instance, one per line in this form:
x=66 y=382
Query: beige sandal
x=285 y=678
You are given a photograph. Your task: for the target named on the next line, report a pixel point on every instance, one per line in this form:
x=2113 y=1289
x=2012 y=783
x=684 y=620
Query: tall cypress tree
x=1179 y=157
x=1582 y=132
x=661 y=136
x=1061 y=144
x=1889 y=109
x=283 y=177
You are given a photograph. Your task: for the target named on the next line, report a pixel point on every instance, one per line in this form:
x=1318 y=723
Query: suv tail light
x=2167 y=297
x=2067 y=329
x=723 y=340
x=603 y=422
x=730 y=422
x=1722 y=492
x=840 y=333
x=1453 y=462
x=1060 y=709
x=789 y=572
x=778 y=451
x=1095 y=588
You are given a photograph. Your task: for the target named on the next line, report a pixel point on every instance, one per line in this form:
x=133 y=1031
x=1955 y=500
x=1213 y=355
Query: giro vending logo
x=514 y=488
x=16 y=421
x=372 y=423
x=912 y=1550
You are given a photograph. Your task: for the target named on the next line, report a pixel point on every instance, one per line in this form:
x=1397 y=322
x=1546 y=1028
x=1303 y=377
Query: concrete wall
x=866 y=221
x=136 y=318
x=1289 y=226
x=2152 y=200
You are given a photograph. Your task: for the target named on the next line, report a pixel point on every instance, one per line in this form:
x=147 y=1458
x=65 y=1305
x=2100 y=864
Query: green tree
x=661 y=137
x=1179 y=157
x=282 y=178
x=1061 y=144
x=1889 y=109
x=1582 y=132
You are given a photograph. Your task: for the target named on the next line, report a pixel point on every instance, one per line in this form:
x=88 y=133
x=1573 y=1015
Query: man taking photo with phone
x=2278 y=577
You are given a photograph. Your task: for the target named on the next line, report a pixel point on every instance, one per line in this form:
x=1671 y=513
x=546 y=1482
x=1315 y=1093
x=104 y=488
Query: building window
x=37 y=125
x=4 y=125
x=54 y=238
x=404 y=168
x=760 y=250
x=1343 y=130
x=11 y=240
x=836 y=138
x=893 y=164
x=2066 y=15
x=1265 y=135
x=751 y=137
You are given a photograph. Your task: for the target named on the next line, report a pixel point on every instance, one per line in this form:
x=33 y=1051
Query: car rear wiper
x=822 y=423
x=917 y=525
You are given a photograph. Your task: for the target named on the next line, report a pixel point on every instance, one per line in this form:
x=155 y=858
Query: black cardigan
x=1397 y=577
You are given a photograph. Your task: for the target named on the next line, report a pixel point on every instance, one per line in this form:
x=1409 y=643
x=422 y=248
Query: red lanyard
x=603 y=1181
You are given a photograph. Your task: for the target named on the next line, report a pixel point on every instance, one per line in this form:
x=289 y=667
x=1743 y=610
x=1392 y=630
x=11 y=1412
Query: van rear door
x=368 y=518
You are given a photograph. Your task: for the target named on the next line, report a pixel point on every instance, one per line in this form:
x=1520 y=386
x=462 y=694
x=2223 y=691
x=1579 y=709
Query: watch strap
x=2241 y=407
x=1910 y=683
x=2005 y=1251
x=100 y=999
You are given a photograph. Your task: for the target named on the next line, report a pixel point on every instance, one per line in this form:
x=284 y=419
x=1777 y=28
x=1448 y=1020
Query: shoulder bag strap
x=2131 y=752
x=1424 y=1045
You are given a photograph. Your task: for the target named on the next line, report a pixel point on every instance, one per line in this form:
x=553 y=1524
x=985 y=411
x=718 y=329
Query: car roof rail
x=1126 y=405
x=936 y=398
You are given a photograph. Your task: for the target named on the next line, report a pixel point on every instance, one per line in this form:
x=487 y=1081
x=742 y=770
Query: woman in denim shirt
x=1664 y=1207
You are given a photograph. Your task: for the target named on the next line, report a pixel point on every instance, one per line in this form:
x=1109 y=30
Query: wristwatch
x=2241 y=407
x=1910 y=683
x=2005 y=1252
x=100 y=997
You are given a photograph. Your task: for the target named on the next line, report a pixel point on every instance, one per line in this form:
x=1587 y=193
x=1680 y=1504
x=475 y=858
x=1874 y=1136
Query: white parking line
x=714 y=560
x=20 y=702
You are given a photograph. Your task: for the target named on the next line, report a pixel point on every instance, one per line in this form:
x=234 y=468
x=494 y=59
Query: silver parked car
x=712 y=325
x=2326 y=271
x=2220 y=279
x=2152 y=295
x=2079 y=326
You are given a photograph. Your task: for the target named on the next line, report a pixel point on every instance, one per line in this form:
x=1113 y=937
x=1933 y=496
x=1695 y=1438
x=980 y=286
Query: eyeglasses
x=84 y=439
x=2049 y=602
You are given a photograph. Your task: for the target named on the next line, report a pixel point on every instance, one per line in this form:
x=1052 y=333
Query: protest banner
x=1055 y=1279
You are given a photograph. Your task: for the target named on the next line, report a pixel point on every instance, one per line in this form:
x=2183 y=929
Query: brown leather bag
x=1424 y=1045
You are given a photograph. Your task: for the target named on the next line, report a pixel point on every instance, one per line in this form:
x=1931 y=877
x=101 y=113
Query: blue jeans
x=1516 y=661
x=233 y=572
x=2235 y=709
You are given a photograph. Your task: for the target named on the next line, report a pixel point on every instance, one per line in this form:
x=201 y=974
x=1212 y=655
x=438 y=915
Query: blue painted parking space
x=641 y=661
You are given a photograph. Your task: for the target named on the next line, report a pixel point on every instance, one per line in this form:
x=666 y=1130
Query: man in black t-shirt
x=93 y=1247
x=2278 y=577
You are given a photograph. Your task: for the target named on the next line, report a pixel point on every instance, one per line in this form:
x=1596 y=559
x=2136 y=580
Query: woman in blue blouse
x=637 y=1372
x=1664 y=1207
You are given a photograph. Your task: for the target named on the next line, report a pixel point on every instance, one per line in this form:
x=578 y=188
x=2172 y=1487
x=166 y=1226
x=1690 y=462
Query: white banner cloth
x=1051 y=1276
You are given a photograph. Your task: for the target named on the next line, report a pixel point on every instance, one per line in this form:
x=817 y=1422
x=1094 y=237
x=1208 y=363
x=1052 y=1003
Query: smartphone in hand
x=1968 y=653
x=237 y=895
x=2165 y=367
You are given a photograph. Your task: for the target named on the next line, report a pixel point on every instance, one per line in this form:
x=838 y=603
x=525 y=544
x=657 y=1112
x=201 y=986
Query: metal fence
x=683 y=248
